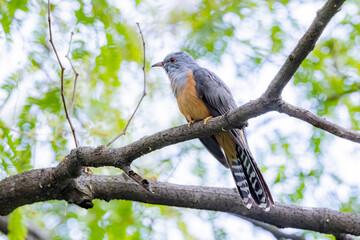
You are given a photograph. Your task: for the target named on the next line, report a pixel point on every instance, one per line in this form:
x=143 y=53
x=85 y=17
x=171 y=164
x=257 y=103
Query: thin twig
x=62 y=78
x=76 y=76
x=271 y=229
x=173 y=171
x=137 y=178
x=142 y=96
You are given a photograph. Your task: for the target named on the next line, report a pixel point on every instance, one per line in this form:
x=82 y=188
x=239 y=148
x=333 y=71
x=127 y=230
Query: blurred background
x=243 y=42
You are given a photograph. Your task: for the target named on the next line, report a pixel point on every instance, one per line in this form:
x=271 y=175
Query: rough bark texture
x=85 y=188
x=316 y=121
x=68 y=182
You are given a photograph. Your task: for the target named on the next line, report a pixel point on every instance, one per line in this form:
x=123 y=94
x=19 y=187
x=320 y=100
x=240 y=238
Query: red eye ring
x=172 y=59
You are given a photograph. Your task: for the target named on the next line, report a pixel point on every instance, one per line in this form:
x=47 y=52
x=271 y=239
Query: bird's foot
x=207 y=119
x=88 y=170
x=190 y=122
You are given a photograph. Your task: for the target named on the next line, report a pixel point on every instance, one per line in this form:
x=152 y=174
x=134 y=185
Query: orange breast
x=193 y=108
x=190 y=105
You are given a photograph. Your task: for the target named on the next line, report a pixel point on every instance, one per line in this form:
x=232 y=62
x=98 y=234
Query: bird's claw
x=88 y=170
x=207 y=119
x=190 y=122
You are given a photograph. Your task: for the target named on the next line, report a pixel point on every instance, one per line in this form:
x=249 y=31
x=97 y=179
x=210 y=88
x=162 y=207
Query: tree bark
x=85 y=188
x=67 y=181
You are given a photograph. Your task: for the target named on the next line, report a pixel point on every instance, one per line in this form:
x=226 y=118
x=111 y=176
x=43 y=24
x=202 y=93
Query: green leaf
x=276 y=37
x=17 y=228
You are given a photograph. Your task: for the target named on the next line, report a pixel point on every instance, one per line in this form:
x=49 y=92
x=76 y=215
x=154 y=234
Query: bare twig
x=271 y=229
x=142 y=96
x=76 y=76
x=137 y=178
x=317 y=121
x=62 y=78
x=51 y=183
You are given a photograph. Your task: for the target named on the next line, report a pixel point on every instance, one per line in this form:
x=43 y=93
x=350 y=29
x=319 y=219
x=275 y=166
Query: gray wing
x=213 y=91
x=213 y=147
x=217 y=98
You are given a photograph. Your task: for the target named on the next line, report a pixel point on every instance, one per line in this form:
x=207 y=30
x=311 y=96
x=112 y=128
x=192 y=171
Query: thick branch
x=121 y=157
x=305 y=45
x=317 y=121
x=65 y=181
x=89 y=187
x=71 y=167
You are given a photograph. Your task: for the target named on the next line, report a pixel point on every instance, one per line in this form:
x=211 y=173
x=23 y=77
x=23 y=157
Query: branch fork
x=42 y=184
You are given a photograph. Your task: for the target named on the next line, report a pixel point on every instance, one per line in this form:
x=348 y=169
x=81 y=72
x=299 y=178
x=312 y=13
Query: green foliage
x=276 y=37
x=15 y=152
x=331 y=75
x=17 y=227
x=353 y=205
x=107 y=53
x=207 y=21
x=8 y=10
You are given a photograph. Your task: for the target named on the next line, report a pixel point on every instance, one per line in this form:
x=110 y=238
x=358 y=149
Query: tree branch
x=88 y=187
x=305 y=45
x=76 y=76
x=61 y=79
x=124 y=156
x=316 y=121
x=271 y=229
x=71 y=168
x=67 y=181
x=143 y=93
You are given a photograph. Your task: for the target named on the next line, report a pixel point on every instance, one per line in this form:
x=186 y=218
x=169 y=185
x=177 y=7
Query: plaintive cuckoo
x=201 y=95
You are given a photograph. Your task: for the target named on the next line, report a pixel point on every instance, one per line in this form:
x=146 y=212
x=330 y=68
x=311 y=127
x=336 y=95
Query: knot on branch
x=79 y=192
x=70 y=166
x=277 y=104
x=99 y=149
x=291 y=57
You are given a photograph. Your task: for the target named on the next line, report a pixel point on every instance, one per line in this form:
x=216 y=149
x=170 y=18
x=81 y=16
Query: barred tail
x=241 y=182
x=249 y=181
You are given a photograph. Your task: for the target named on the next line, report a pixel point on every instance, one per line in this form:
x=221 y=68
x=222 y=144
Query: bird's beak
x=159 y=64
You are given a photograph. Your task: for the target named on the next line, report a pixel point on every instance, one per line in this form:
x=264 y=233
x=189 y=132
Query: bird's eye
x=172 y=59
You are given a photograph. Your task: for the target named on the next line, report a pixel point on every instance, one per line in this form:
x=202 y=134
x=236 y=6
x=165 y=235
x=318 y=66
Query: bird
x=202 y=95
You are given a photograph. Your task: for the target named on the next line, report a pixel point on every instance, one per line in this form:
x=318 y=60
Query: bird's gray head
x=177 y=66
x=177 y=62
